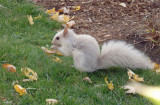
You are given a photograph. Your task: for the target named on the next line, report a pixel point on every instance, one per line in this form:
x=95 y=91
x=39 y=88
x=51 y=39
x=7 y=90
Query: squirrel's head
x=64 y=38
x=60 y=37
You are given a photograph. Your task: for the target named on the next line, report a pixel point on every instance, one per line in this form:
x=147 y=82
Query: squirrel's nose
x=52 y=42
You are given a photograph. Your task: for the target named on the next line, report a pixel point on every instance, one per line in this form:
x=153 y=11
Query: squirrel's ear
x=65 y=32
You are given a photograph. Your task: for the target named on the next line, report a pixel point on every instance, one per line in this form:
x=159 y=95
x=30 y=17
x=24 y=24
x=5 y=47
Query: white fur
x=87 y=57
x=118 y=53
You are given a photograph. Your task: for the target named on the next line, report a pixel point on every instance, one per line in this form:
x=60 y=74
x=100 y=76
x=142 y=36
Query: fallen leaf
x=71 y=23
x=123 y=5
x=29 y=73
x=50 y=11
x=38 y=17
x=9 y=67
x=56 y=59
x=55 y=16
x=110 y=85
x=76 y=8
x=87 y=79
x=58 y=53
x=30 y=19
x=156 y=68
x=131 y=75
x=64 y=10
x=64 y=18
x=137 y=78
x=49 y=52
x=51 y=101
x=20 y=90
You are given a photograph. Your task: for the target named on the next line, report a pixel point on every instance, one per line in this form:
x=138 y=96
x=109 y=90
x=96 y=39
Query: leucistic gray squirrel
x=87 y=55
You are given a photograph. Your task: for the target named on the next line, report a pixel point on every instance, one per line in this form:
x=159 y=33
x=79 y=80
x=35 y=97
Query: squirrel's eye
x=57 y=38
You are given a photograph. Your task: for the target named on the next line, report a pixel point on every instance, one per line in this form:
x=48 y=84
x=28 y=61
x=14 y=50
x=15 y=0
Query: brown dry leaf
x=76 y=8
x=9 y=67
x=51 y=101
x=20 y=90
x=110 y=85
x=87 y=79
x=29 y=73
x=30 y=19
x=131 y=75
x=56 y=59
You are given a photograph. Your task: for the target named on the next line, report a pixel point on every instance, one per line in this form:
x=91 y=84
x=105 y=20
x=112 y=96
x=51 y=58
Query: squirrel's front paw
x=54 y=47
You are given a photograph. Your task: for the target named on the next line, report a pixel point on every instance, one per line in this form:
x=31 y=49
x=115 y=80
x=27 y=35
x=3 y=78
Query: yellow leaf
x=76 y=8
x=51 y=101
x=110 y=85
x=49 y=52
x=158 y=70
x=38 y=17
x=30 y=19
x=9 y=67
x=56 y=59
x=131 y=75
x=29 y=73
x=50 y=11
x=63 y=18
x=60 y=10
x=156 y=66
x=58 y=53
x=20 y=90
x=55 y=16
x=137 y=78
x=66 y=18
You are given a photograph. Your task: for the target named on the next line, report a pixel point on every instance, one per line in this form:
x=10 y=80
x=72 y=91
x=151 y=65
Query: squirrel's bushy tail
x=118 y=53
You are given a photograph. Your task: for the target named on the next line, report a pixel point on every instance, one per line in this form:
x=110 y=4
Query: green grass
x=19 y=45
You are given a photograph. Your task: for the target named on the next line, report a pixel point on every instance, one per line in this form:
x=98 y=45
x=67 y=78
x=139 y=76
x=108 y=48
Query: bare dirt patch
x=138 y=23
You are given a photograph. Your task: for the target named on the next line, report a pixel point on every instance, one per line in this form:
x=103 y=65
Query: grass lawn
x=19 y=45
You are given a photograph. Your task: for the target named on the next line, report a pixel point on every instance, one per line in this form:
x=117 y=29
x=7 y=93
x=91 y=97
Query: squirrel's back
x=86 y=52
x=119 y=53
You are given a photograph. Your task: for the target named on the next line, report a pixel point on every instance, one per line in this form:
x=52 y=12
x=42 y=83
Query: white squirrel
x=87 y=55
